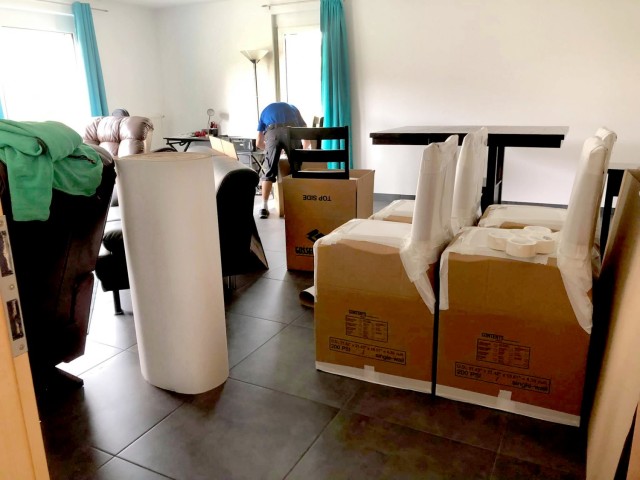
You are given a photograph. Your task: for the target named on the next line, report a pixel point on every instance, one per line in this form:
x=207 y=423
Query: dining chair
x=514 y=326
x=216 y=144
x=374 y=285
x=229 y=149
x=518 y=216
x=467 y=190
x=297 y=155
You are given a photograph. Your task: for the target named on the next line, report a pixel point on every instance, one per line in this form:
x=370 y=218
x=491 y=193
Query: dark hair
x=120 y=112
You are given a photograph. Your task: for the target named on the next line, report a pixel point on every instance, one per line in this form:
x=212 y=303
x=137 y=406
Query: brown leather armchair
x=120 y=136
x=54 y=262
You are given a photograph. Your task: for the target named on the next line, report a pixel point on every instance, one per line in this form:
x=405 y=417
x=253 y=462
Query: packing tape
x=498 y=239
x=537 y=229
x=521 y=247
x=545 y=244
x=369 y=373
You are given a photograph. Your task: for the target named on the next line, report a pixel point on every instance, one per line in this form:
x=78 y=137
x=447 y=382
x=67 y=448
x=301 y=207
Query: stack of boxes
x=509 y=333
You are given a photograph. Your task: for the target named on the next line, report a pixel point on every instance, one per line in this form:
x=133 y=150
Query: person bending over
x=273 y=138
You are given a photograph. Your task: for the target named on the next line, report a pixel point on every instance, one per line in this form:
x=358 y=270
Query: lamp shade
x=254 y=56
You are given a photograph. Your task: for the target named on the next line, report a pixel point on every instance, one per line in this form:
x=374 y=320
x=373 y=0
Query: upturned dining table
x=499 y=138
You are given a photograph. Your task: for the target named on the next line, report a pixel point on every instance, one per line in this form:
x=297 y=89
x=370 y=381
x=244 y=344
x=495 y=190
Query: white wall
x=130 y=57
x=202 y=66
x=495 y=62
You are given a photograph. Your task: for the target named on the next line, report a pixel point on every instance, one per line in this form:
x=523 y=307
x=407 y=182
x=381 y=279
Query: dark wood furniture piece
x=614 y=180
x=500 y=137
x=185 y=141
x=298 y=156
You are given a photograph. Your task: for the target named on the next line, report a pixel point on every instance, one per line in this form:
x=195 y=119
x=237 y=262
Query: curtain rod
x=269 y=5
x=69 y=4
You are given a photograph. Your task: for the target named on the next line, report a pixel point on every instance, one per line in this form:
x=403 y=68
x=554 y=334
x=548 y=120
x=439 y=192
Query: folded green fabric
x=41 y=156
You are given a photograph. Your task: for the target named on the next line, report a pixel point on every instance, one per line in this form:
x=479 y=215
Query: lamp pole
x=254 y=56
x=255 y=77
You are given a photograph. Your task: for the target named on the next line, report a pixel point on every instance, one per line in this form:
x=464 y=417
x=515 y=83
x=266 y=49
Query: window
x=300 y=57
x=42 y=79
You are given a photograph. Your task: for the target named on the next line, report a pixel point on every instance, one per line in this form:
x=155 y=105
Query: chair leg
x=116 y=302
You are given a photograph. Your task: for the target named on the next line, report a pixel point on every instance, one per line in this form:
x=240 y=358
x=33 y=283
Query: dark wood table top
x=499 y=135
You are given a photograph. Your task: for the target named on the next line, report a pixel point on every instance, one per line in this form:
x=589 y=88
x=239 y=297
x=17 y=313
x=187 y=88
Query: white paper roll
x=537 y=229
x=545 y=244
x=498 y=239
x=521 y=247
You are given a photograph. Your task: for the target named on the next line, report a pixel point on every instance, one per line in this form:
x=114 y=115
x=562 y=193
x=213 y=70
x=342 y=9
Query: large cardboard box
x=370 y=321
x=315 y=207
x=616 y=339
x=508 y=336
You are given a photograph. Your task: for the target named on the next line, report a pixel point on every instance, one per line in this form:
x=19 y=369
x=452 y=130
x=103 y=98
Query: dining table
x=499 y=138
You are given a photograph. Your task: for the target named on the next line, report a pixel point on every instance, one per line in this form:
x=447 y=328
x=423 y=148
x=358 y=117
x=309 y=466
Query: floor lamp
x=254 y=56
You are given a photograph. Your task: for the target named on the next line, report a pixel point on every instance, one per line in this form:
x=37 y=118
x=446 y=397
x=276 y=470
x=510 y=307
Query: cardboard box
x=616 y=341
x=284 y=169
x=509 y=338
x=315 y=207
x=370 y=321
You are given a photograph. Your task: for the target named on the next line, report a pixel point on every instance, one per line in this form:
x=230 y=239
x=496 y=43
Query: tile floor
x=276 y=416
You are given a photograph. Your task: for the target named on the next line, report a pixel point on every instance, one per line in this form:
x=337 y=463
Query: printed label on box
x=359 y=324
x=383 y=354
x=503 y=353
x=501 y=377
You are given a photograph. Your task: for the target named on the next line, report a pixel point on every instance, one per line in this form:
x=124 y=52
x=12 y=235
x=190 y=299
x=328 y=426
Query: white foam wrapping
x=397 y=208
x=553 y=218
x=468 y=184
x=498 y=215
x=577 y=236
x=420 y=243
x=575 y=241
x=474 y=241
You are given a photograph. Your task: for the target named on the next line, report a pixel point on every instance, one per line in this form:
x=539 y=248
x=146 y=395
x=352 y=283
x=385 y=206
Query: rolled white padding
x=521 y=247
x=467 y=191
x=170 y=227
x=498 y=239
x=539 y=229
x=545 y=244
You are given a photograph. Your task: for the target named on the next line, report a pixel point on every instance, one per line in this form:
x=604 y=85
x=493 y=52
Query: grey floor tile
x=237 y=431
x=114 y=408
x=246 y=334
x=268 y=299
x=94 y=354
x=305 y=319
x=507 y=468
x=463 y=422
x=67 y=460
x=544 y=443
x=287 y=363
x=110 y=329
x=356 y=446
x=118 y=469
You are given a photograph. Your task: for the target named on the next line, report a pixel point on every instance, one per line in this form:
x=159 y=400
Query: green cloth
x=41 y=156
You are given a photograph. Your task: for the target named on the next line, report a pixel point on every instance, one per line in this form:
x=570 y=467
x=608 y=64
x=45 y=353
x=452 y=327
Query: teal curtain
x=1 y=111
x=336 y=96
x=86 y=38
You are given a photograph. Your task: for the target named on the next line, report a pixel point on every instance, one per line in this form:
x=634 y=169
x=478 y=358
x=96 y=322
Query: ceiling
x=162 y=3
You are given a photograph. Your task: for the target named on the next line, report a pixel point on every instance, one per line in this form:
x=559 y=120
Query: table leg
x=492 y=192
x=614 y=180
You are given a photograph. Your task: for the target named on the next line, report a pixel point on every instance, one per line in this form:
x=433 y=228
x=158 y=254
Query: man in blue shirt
x=273 y=138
